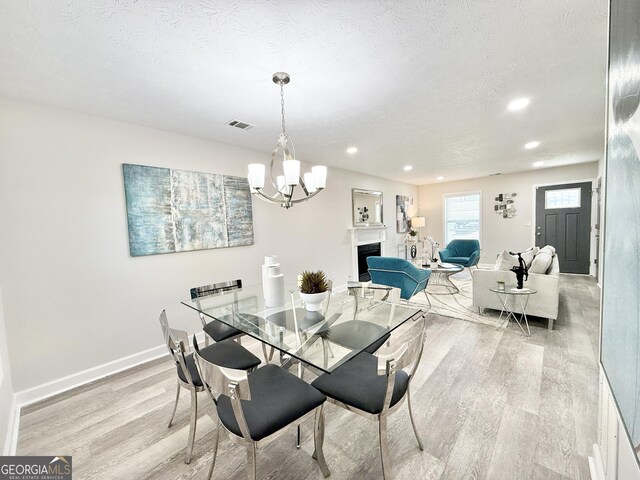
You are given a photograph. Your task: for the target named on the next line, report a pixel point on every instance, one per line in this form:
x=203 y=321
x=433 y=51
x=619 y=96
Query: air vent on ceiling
x=240 y=125
x=494 y=174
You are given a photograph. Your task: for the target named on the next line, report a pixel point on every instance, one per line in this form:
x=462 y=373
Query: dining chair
x=363 y=335
x=255 y=406
x=376 y=386
x=227 y=353
x=295 y=316
x=215 y=329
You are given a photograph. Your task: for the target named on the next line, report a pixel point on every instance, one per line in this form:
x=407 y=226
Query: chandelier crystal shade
x=284 y=184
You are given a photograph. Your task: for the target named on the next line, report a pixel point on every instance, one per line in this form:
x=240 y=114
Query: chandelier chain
x=282 y=105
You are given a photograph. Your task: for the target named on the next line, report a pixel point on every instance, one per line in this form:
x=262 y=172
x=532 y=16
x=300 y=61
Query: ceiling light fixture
x=538 y=164
x=286 y=183
x=408 y=168
x=352 y=150
x=531 y=145
x=518 y=104
x=440 y=178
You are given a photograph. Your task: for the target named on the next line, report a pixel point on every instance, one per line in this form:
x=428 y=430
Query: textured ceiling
x=408 y=82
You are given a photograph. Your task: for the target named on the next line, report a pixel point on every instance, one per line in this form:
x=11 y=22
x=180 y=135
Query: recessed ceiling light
x=408 y=168
x=352 y=150
x=531 y=145
x=518 y=104
x=440 y=178
x=538 y=164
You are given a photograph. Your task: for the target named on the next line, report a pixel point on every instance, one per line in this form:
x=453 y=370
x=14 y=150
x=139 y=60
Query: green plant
x=313 y=282
x=413 y=233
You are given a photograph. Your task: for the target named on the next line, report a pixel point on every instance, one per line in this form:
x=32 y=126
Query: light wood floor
x=491 y=404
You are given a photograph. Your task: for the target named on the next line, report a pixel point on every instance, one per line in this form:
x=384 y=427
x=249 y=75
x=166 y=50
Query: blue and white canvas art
x=620 y=354
x=177 y=210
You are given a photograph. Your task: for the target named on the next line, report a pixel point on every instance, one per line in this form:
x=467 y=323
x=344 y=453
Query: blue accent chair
x=461 y=252
x=399 y=273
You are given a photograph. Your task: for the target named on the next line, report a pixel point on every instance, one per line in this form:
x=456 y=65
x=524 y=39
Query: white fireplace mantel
x=365 y=236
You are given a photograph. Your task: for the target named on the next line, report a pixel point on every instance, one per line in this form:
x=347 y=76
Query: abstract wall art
x=402 y=213
x=177 y=210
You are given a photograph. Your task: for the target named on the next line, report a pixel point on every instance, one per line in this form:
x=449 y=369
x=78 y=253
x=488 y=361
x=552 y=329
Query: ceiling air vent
x=494 y=174
x=240 y=125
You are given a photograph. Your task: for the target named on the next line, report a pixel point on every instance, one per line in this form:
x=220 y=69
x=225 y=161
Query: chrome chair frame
x=235 y=383
x=391 y=359
x=215 y=289
x=177 y=342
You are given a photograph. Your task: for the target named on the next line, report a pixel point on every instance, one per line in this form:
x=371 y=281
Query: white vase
x=268 y=260
x=274 y=287
x=313 y=301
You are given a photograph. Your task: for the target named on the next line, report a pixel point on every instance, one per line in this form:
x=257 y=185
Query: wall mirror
x=367 y=207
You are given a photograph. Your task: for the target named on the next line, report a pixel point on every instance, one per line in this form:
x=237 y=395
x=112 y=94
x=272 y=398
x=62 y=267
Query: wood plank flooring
x=490 y=404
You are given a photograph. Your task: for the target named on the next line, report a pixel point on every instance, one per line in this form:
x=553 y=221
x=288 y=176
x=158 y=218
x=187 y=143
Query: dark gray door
x=563 y=220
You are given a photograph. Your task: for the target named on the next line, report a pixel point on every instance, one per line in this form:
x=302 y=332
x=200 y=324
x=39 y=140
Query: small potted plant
x=412 y=236
x=314 y=287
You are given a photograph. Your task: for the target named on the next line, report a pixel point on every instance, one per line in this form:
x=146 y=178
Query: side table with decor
x=514 y=302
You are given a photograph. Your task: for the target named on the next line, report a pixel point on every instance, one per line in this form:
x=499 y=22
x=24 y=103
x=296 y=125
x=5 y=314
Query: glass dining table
x=348 y=323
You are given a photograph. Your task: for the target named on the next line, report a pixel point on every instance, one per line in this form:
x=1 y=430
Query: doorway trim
x=594 y=205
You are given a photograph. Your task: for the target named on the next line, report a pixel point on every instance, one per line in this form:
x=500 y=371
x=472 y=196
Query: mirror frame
x=376 y=193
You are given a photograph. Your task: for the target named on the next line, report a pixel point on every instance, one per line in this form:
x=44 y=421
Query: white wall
x=73 y=296
x=499 y=233
x=6 y=388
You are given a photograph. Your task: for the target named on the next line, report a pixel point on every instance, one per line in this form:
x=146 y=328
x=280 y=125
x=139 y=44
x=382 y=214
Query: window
x=461 y=216
x=566 y=198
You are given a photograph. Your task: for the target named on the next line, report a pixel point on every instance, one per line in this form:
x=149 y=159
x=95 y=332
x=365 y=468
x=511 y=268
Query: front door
x=563 y=220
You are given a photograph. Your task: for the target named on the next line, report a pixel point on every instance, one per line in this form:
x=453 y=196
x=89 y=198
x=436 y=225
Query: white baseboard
x=11 y=441
x=60 y=385
x=596 y=468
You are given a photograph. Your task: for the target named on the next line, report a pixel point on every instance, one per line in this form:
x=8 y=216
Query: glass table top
x=345 y=326
x=512 y=290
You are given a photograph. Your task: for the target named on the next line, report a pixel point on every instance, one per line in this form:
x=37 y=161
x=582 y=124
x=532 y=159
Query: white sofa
x=542 y=304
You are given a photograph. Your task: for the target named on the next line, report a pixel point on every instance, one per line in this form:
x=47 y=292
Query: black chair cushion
x=278 y=399
x=193 y=371
x=225 y=354
x=220 y=331
x=356 y=383
x=230 y=354
x=358 y=334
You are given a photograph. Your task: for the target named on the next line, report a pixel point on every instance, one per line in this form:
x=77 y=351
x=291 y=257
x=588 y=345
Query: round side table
x=518 y=298
x=439 y=281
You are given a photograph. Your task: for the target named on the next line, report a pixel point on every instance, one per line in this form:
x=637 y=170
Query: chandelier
x=310 y=184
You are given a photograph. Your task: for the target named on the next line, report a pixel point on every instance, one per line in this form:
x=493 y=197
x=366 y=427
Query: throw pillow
x=541 y=262
x=550 y=249
x=528 y=257
x=506 y=261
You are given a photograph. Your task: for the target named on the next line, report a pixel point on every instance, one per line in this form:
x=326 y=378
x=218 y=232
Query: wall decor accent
x=402 y=213
x=177 y=210
x=620 y=336
x=505 y=205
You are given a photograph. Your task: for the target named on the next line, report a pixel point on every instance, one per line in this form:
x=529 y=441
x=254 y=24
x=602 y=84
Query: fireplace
x=364 y=251
x=363 y=242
